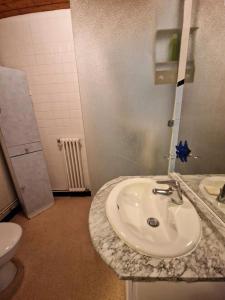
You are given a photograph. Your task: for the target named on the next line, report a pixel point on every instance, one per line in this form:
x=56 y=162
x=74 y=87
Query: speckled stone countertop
x=193 y=182
x=205 y=263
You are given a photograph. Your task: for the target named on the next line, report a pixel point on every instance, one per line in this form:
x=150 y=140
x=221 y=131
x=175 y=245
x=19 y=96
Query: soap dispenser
x=174 y=47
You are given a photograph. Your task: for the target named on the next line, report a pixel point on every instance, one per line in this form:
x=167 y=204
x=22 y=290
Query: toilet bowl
x=10 y=234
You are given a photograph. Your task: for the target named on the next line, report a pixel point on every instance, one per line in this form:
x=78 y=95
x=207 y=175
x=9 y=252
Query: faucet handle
x=221 y=196
x=172 y=183
x=222 y=191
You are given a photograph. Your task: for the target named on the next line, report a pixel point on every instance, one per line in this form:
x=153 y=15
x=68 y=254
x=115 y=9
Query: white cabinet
x=32 y=177
x=170 y=290
x=8 y=199
x=17 y=119
x=20 y=141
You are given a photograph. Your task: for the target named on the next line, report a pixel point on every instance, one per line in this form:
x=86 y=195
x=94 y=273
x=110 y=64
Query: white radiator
x=72 y=156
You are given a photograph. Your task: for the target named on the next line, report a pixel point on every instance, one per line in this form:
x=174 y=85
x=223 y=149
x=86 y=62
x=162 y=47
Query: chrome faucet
x=221 y=196
x=174 y=185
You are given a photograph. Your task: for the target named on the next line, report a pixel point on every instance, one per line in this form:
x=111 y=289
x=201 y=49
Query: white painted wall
x=41 y=44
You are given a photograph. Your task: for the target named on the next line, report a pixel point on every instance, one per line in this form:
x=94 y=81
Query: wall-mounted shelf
x=174 y=30
x=166 y=70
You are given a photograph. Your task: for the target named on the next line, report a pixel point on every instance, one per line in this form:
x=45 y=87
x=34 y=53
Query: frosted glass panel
x=125 y=113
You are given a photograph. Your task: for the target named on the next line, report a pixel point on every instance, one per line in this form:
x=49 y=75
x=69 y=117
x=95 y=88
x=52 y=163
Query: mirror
x=203 y=109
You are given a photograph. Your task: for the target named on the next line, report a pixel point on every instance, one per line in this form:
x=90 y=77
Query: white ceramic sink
x=210 y=189
x=131 y=203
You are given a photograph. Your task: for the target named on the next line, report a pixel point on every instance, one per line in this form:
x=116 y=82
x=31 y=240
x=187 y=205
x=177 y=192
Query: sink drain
x=153 y=222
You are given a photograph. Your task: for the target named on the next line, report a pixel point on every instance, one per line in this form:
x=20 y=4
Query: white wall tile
x=42 y=45
x=44 y=115
x=75 y=114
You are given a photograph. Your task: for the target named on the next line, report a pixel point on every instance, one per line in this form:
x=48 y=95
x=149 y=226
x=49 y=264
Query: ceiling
x=10 y=8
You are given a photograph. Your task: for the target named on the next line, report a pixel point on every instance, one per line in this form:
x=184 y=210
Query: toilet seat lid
x=10 y=234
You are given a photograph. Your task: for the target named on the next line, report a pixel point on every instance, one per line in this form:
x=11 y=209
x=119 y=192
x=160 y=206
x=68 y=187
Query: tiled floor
x=59 y=259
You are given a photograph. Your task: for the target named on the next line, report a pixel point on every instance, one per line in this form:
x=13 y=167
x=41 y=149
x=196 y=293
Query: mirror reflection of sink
x=210 y=189
x=151 y=224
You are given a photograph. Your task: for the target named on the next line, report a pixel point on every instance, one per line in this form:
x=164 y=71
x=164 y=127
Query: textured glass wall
x=125 y=113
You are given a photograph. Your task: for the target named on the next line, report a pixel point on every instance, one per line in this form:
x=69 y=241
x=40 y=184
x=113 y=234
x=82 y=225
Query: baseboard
x=71 y=194
x=12 y=213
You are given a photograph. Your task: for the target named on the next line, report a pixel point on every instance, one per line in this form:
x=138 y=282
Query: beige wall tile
x=42 y=45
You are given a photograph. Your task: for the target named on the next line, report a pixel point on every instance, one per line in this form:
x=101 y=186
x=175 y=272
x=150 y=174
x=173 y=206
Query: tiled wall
x=41 y=44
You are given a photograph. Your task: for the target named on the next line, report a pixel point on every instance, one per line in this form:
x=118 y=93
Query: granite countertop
x=193 y=182
x=205 y=263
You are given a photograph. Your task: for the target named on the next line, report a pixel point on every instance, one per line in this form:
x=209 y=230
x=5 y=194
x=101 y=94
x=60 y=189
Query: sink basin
x=152 y=224
x=210 y=188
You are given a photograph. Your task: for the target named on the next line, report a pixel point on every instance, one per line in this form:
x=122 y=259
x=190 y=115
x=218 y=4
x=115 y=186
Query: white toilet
x=10 y=234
